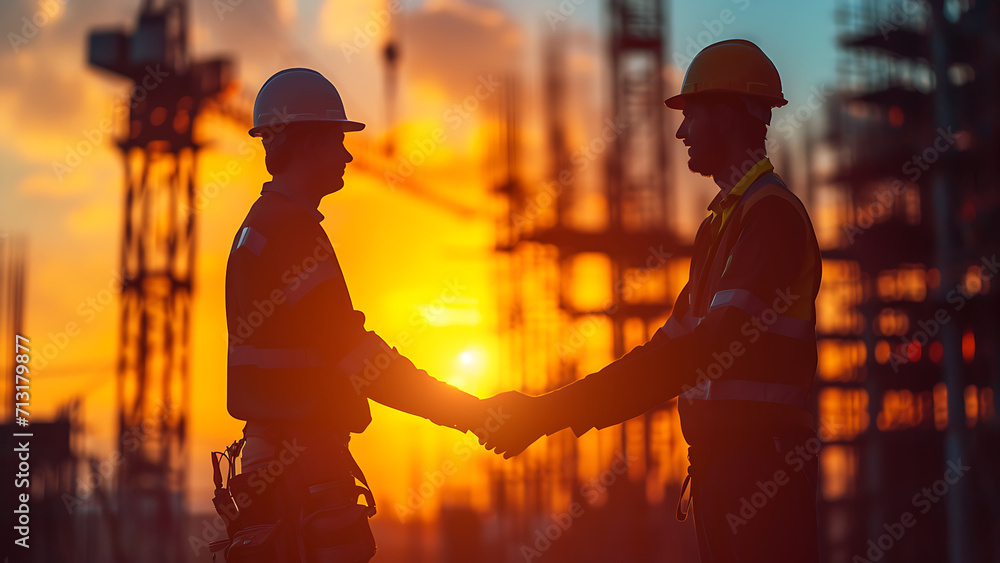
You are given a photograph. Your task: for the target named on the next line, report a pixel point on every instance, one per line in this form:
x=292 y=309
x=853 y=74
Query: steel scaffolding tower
x=157 y=261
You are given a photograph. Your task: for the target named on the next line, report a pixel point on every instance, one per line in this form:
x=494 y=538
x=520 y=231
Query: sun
x=470 y=366
x=470 y=359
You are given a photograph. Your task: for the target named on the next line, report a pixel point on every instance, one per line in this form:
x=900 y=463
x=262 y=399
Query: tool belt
x=285 y=519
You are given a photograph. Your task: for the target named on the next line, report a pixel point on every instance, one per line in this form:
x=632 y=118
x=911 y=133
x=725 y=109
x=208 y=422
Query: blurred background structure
x=909 y=368
x=561 y=219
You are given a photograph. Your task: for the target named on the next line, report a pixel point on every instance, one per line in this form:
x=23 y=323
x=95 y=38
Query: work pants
x=754 y=498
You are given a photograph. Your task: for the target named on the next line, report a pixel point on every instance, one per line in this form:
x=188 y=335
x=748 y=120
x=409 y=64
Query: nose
x=682 y=129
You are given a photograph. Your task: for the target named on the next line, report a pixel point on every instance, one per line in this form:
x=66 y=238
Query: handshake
x=512 y=421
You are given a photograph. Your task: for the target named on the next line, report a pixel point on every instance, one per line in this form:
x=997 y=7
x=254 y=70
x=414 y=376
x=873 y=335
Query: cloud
x=453 y=42
x=94 y=218
x=342 y=21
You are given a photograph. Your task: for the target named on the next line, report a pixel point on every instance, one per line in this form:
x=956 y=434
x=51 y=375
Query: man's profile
x=301 y=366
x=739 y=348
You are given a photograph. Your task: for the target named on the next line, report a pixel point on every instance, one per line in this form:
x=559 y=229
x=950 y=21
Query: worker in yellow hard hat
x=301 y=366
x=739 y=348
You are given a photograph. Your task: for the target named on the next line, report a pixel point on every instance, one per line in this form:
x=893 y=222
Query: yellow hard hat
x=735 y=66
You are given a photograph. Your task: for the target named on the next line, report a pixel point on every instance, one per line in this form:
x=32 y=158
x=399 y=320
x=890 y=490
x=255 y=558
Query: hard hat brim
x=677 y=102
x=347 y=126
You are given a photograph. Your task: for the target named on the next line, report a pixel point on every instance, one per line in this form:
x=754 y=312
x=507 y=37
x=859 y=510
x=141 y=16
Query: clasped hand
x=516 y=421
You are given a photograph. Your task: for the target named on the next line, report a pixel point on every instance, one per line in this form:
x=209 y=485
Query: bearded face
x=710 y=127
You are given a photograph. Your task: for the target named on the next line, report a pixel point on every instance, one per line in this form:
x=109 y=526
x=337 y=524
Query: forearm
x=404 y=387
x=635 y=383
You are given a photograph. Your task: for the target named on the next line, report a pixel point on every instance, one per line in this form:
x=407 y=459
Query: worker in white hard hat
x=301 y=365
x=739 y=347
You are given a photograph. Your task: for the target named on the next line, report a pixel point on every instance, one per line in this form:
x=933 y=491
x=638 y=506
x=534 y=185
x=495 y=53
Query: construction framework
x=909 y=363
x=593 y=269
x=158 y=270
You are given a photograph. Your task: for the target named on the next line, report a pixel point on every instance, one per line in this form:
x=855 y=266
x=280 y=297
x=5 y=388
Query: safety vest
x=764 y=355
x=294 y=336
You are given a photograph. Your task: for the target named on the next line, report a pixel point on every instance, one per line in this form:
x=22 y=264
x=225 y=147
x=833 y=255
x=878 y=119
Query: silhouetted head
x=300 y=117
x=727 y=96
x=312 y=153
x=721 y=128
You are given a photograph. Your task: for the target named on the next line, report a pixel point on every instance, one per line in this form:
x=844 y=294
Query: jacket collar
x=294 y=197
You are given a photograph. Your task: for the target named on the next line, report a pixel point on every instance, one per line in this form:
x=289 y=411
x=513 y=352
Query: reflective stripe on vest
x=753 y=306
x=274 y=358
x=252 y=240
x=307 y=281
x=743 y=390
x=366 y=351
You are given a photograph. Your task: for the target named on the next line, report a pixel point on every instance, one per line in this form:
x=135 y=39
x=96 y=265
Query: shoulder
x=275 y=224
x=776 y=208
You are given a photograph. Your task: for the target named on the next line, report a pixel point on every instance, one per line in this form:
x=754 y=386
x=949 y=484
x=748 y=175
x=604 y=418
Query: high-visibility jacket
x=298 y=351
x=739 y=348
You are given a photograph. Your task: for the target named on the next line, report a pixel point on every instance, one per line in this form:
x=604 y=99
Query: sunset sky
x=403 y=257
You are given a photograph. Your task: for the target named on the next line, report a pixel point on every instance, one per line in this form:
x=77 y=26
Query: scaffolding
x=157 y=261
x=592 y=272
x=908 y=348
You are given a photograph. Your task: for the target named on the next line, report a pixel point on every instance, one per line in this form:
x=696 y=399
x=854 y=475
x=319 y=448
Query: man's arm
x=382 y=374
x=769 y=254
x=364 y=364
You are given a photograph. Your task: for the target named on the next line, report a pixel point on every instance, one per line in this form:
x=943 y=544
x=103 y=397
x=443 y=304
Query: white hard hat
x=298 y=95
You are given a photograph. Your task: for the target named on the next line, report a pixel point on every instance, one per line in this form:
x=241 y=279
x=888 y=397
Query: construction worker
x=739 y=348
x=301 y=365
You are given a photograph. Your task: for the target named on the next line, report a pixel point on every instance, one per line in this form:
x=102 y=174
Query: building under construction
x=908 y=312
x=908 y=366
x=908 y=361
x=592 y=271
